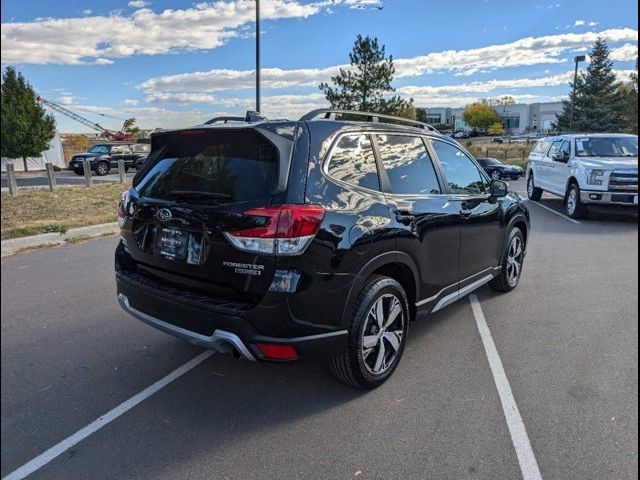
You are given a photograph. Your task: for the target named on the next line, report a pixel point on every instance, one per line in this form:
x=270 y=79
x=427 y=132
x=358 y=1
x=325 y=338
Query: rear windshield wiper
x=199 y=194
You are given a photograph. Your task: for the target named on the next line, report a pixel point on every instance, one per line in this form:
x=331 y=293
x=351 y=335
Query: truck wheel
x=573 y=204
x=512 y=263
x=534 y=193
x=377 y=335
x=102 y=168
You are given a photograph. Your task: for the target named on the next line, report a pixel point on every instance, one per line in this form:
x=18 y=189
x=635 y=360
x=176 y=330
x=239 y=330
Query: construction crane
x=107 y=133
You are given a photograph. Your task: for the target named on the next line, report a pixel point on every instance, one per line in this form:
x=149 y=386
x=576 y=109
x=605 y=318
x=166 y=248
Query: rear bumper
x=221 y=329
x=594 y=197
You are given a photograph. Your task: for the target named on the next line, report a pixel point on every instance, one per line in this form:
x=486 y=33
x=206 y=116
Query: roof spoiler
x=250 y=117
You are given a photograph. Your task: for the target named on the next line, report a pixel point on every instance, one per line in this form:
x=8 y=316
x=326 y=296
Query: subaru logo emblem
x=164 y=215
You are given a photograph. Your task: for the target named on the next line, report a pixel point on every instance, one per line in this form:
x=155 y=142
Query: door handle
x=404 y=217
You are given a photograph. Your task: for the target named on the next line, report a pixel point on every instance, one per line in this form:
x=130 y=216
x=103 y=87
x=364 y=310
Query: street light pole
x=258 y=56
x=577 y=60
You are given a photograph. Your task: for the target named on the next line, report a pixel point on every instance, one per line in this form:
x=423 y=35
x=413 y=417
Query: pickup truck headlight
x=595 y=176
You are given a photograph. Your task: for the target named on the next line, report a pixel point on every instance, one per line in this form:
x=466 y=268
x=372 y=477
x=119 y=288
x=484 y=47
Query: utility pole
x=577 y=60
x=258 y=56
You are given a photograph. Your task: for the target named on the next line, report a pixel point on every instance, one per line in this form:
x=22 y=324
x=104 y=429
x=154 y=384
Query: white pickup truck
x=590 y=169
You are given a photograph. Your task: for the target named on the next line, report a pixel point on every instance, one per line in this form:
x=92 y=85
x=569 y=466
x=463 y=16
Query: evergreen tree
x=599 y=107
x=26 y=128
x=366 y=84
x=630 y=93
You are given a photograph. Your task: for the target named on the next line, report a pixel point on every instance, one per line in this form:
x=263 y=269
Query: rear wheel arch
x=396 y=265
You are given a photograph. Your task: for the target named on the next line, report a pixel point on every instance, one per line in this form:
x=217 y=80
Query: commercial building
x=517 y=118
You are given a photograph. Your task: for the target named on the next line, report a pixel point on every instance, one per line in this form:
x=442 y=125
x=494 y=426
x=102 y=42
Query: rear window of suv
x=238 y=165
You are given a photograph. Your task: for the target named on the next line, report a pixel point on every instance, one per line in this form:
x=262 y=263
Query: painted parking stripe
x=44 y=458
x=553 y=211
x=519 y=437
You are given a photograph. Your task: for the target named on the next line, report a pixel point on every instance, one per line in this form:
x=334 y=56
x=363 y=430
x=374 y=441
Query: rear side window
x=240 y=165
x=408 y=165
x=541 y=148
x=353 y=162
x=462 y=174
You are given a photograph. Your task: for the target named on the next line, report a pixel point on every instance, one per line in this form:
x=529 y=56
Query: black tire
x=352 y=366
x=534 y=193
x=102 y=168
x=573 y=206
x=496 y=175
x=505 y=282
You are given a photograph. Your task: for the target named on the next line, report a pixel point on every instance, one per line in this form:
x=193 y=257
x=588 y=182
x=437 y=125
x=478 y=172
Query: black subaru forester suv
x=324 y=237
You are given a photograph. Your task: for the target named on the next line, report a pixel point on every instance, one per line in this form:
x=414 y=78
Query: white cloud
x=593 y=24
x=99 y=39
x=364 y=4
x=579 y=23
x=137 y=3
x=523 y=52
x=626 y=53
x=132 y=102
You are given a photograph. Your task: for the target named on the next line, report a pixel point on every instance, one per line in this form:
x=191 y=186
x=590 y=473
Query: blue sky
x=177 y=63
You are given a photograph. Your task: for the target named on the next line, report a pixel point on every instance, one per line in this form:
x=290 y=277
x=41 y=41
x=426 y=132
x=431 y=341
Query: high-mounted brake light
x=285 y=230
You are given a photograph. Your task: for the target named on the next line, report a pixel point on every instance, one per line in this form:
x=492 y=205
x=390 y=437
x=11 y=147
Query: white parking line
x=519 y=437
x=553 y=211
x=44 y=458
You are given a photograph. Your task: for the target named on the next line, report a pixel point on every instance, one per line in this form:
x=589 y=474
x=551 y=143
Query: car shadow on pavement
x=225 y=408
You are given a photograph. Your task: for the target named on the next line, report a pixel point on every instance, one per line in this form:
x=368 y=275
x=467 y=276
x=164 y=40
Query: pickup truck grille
x=624 y=181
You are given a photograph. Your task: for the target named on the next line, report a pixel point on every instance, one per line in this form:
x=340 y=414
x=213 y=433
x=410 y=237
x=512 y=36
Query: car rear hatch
x=195 y=188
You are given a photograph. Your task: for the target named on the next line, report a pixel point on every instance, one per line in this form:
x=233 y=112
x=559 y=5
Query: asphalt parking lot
x=567 y=339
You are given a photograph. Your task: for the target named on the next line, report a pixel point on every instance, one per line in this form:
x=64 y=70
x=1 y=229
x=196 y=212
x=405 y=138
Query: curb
x=14 y=245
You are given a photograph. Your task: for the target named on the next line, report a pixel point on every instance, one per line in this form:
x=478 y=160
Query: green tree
x=366 y=84
x=480 y=117
x=629 y=91
x=129 y=126
x=421 y=115
x=599 y=107
x=26 y=128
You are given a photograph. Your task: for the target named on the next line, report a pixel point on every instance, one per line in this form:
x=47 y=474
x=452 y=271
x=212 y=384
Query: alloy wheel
x=496 y=175
x=515 y=257
x=572 y=201
x=383 y=334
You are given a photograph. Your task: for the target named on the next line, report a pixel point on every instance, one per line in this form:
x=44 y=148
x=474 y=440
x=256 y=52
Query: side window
x=555 y=147
x=353 y=162
x=566 y=148
x=408 y=165
x=462 y=174
x=541 y=147
x=117 y=150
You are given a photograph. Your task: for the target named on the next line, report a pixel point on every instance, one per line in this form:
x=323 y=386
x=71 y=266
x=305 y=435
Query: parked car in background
x=103 y=157
x=497 y=140
x=282 y=240
x=498 y=170
x=586 y=170
x=461 y=135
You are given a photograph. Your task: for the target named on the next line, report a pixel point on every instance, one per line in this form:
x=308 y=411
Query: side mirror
x=499 y=189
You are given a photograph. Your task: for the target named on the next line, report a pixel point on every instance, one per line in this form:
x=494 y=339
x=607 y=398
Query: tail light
x=287 y=230
x=277 y=352
x=122 y=212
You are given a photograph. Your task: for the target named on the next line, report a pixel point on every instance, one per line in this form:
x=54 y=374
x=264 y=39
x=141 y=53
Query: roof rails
x=329 y=113
x=250 y=117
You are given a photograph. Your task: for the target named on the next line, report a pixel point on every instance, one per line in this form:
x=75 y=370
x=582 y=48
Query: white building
x=517 y=118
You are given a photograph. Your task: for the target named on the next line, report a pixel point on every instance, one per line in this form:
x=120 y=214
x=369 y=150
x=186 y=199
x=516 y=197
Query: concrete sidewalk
x=14 y=245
